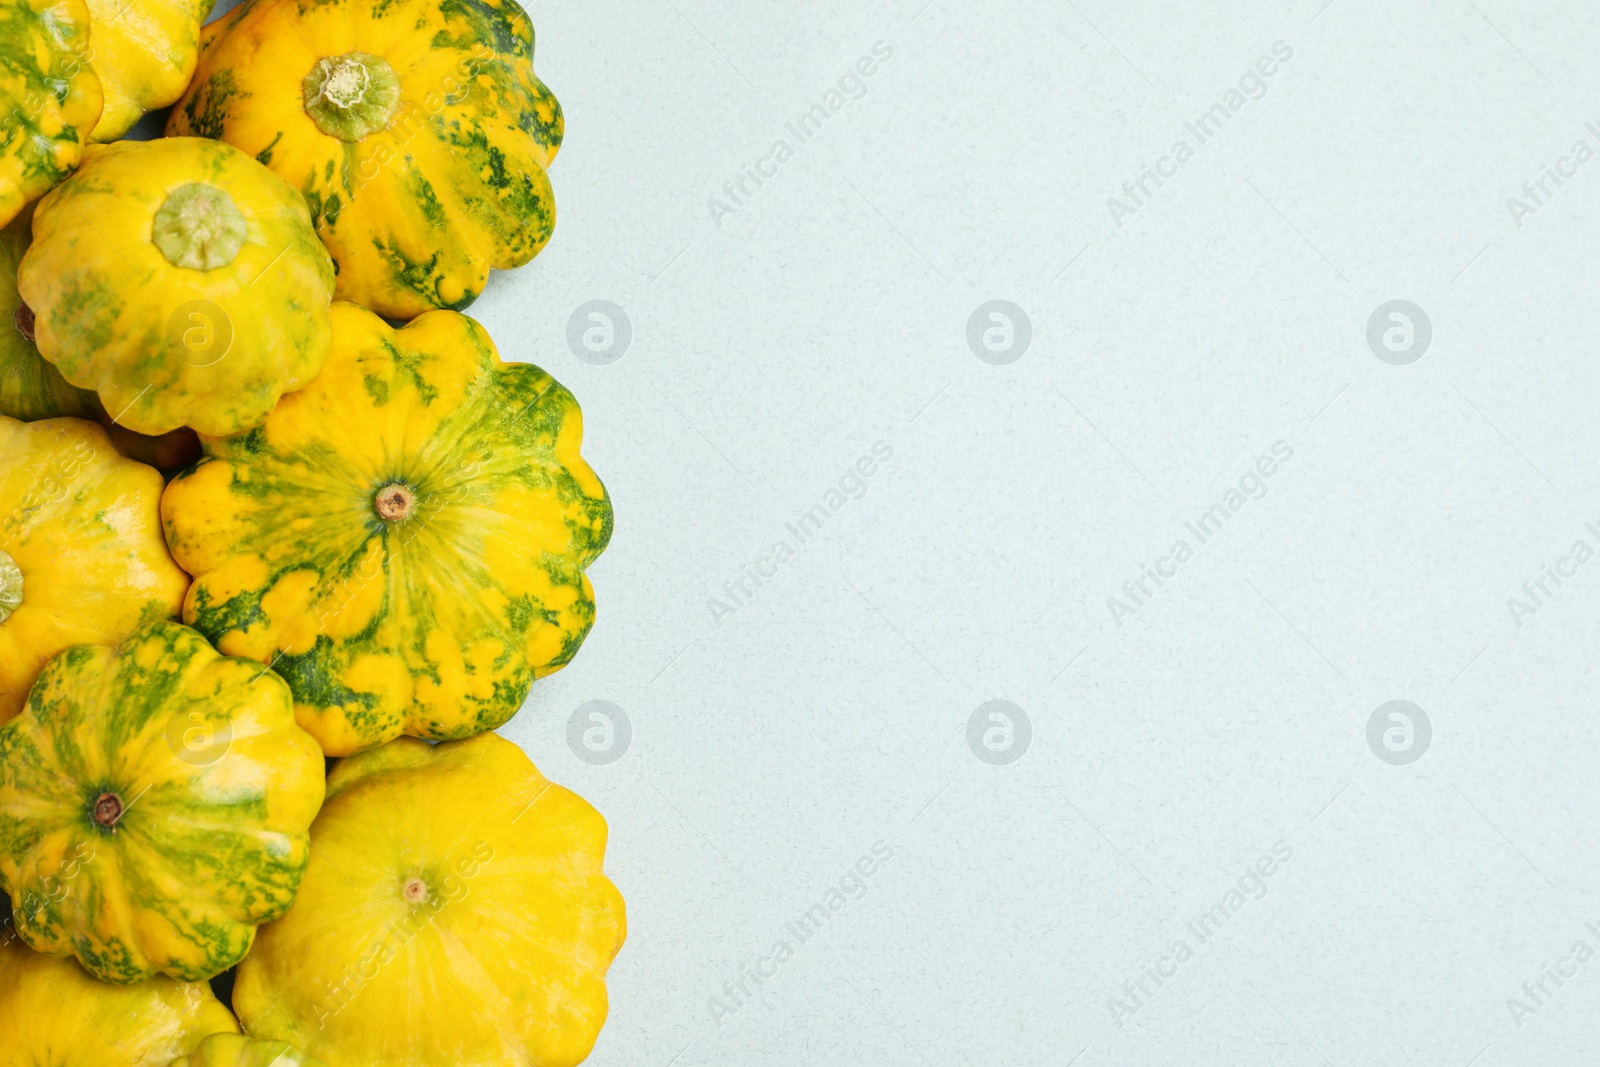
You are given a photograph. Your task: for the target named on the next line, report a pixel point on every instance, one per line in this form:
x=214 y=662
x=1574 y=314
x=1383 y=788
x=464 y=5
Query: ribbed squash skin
x=82 y=524
x=417 y=212
x=233 y=1050
x=145 y=53
x=30 y=388
x=163 y=345
x=215 y=787
x=455 y=912
x=435 y=625
x=52 y=1013
x=49 y=94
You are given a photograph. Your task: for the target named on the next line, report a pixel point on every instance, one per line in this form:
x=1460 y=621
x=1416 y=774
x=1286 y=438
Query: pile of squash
x=282 y=541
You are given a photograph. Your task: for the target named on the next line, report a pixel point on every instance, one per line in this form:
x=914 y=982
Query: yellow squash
x=455 y=912
x=81 y=554
x=51 y=1012
x=234 y=1050
x=416 y=129
x=144 y=52
x=49 y=94
x=181 y=281
x=404 y=540
x=175 y=785
x=30 y=388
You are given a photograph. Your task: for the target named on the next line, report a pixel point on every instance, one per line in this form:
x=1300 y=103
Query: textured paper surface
x=755 y=346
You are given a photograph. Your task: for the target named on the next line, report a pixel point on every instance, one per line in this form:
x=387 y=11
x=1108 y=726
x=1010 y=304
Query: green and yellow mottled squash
x=52 y=1013
x=404 y=540
x=456 y=911
x=144 y=52
x=416 y=129
x=155 y=799
x=181 y=281
x=30 y=388
x=81 y=552
x=50 y=96
x=234 y=1050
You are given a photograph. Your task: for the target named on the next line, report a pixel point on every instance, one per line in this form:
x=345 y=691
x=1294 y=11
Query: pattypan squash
x=30 y=388
x=234 y=1050
x=455 y=911
x=52 y=1012
x=404 y=540
x=49 y=94
x=175 y=789
x=81 y=553
x=144 y=52
x=181 y=281
x=416 y=129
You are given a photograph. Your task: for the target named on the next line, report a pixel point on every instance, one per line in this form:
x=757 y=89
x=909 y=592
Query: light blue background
x=775 y=745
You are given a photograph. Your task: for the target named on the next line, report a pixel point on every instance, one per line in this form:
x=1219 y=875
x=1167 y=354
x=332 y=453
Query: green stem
x=352 y=95
x=199 y=227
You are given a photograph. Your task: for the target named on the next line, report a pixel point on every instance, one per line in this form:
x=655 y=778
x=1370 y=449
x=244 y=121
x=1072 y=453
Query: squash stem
x=23 y=317
x=394 y=502
x=107 y=810
x=352 y=95
x=10 y=586
x=199 y=227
